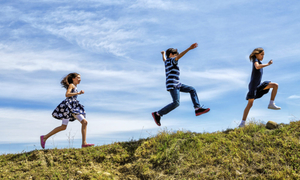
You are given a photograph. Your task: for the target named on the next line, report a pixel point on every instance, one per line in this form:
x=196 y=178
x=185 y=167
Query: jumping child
x=174 y=86
x=256 y=88
x=69 y=109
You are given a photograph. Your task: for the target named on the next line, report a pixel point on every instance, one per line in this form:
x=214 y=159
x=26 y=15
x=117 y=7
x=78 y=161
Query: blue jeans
x=175 y=93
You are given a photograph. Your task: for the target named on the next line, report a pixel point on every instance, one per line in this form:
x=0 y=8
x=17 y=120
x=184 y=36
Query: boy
x=174 y=86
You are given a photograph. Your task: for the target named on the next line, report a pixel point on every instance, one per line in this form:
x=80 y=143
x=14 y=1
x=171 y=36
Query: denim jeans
x=175 y=93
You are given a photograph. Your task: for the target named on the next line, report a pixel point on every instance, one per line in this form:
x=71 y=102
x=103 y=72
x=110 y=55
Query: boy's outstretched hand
x=193 y=46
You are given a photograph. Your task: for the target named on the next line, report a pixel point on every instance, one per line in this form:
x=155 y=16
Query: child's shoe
x=87 y=145
x=156 y=118
x=201 y=111
x=243 y=124
x=42 y=142
x=273 y=106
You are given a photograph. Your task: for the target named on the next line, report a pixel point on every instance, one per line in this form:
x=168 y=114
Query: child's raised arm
x=259 y=66
x=193 y=46
x=163 y=53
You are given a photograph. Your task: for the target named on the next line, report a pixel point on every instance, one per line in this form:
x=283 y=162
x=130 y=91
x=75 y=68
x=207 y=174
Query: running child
x=256 y=88
x=69 y=109
x=174 y=86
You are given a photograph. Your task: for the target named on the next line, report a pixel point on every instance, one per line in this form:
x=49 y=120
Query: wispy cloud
x=91 y=30
x=294 y=97
x=99 y=125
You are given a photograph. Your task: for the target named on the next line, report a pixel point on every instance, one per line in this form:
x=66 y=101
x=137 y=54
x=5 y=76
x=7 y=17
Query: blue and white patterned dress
x=68 y=107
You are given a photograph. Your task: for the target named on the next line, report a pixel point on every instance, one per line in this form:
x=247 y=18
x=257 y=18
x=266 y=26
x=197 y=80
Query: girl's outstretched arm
x=69 y=94
x=259 y=66
x=163 y=53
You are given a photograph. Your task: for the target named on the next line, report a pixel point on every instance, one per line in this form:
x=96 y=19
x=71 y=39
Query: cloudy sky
x=115 y=45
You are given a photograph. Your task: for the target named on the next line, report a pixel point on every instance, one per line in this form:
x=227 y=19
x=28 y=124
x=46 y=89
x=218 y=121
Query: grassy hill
x=253 y=152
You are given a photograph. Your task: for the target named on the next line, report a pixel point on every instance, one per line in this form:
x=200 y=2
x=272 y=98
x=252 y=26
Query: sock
x=196 y=109
x=271 y=102
x=157 y=114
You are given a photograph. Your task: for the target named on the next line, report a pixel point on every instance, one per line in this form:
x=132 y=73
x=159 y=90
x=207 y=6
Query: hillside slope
x=252 y=152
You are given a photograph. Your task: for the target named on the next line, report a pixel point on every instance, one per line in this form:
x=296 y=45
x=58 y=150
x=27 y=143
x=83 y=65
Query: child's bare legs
x=83 y=131
x=274 y=86
x=54 y=131
x=272 y=105
x=83 y=122
x=247 y=109
x=246 y=112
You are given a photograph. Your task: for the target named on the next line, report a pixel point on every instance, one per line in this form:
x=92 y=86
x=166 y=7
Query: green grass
x=253 y=152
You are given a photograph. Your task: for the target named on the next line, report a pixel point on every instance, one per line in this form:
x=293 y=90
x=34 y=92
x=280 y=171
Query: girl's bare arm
x=259 y=66
x=69 y=94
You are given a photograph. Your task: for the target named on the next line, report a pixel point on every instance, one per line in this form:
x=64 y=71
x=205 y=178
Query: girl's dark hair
x=255 y=51
x=66 y=81
x=171 y=50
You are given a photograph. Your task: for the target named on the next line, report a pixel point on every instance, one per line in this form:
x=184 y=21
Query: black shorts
x=259 y=92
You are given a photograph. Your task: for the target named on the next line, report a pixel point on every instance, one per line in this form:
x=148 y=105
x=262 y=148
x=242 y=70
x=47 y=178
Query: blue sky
x=115 y=45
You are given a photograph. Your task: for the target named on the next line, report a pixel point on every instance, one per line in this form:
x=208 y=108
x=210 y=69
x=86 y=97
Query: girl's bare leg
x=274 y=86
x=54 y=131
x=272 y=105
x=247 y=109
x=246 y=112
x=83 y=131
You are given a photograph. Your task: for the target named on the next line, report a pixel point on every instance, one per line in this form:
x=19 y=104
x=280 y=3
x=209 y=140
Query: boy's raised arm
x=193 y=46
x=163 y=53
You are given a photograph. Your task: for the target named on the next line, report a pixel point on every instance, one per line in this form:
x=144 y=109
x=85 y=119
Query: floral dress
x=68 y=107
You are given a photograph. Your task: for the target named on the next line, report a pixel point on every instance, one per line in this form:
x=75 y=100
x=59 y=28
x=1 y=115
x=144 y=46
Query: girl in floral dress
x=69 y=109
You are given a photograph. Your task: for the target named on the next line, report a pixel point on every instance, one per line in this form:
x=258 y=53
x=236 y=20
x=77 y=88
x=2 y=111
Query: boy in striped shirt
x=175 y=87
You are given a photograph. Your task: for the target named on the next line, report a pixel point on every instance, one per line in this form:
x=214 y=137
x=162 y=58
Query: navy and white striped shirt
x=172 y=73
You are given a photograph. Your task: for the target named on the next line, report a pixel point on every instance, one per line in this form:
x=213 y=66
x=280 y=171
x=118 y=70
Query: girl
x=257 y=90
x=69 y=109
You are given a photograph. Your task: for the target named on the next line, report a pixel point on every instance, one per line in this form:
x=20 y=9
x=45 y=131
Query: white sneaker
x=273 y=106
x=241 y=125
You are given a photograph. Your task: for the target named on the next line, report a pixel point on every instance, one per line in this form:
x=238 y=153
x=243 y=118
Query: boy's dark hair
x=171 y=50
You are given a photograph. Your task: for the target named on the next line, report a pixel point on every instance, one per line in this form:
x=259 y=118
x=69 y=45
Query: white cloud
x=25 y=125
x=31 y=61
x=91 y=30
x=294 y=97
x=165 y=5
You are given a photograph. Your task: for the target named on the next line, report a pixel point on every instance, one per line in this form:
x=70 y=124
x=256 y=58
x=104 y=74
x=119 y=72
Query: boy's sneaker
x=156 y=118
x=201 y=111
x=273 y=106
